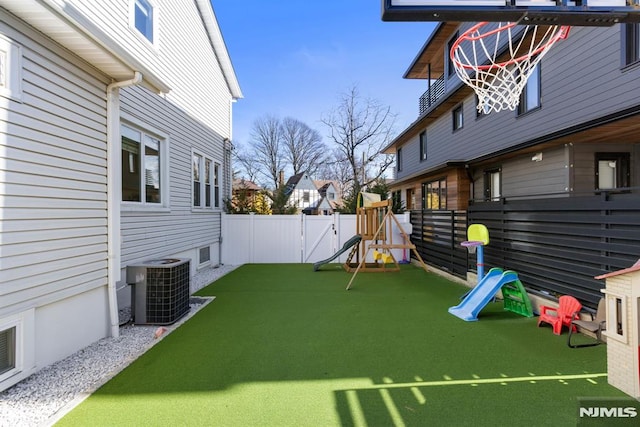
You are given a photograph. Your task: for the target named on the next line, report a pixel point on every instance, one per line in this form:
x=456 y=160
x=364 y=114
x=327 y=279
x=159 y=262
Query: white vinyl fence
x=293 y=238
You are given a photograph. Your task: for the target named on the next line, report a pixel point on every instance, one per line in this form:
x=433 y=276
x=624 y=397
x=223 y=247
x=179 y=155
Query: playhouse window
x=617 y=317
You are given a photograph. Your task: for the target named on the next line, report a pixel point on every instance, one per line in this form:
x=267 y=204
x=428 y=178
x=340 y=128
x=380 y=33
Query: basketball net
x=496 y=62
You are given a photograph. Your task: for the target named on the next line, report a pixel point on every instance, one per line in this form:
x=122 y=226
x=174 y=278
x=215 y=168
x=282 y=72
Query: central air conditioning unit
x=160 y=290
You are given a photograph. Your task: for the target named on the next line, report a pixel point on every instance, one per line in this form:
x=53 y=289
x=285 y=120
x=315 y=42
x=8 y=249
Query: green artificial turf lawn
x=282 y=345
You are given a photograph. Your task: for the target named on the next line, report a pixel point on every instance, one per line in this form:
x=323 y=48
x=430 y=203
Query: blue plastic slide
x=348 y=244
x=484 y=292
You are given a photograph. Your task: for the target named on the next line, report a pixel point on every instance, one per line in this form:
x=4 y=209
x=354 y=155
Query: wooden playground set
x=374 y=222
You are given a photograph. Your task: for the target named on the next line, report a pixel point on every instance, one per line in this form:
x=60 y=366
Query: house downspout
x=114 y=196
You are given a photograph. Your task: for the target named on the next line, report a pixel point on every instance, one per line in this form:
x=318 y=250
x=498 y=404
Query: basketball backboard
x=540 y=12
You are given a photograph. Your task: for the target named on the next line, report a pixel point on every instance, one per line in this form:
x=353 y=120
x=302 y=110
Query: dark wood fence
x=437 y=236
x=556 y=245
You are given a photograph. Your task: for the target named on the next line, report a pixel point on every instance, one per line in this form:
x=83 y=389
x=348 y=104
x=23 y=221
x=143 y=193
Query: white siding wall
x=179 y=229
x=53 y=210
x=182 y=55
x=195 y=117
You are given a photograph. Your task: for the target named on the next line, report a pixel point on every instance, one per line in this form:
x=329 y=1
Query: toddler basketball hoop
x=471 y=246
x=496 y=59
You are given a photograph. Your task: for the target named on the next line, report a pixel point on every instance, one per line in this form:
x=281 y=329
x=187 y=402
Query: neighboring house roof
x=244 y=184
x=292 y=182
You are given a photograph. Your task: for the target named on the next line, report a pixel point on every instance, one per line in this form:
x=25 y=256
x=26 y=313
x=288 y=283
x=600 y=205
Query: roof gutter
x=74 y=18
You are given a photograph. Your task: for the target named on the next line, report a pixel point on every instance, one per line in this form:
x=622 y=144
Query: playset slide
x=348 y=244
x=484 y=292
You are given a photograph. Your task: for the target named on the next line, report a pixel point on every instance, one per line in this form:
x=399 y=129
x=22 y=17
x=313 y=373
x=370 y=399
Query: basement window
x=204 y=255
x=7 y=350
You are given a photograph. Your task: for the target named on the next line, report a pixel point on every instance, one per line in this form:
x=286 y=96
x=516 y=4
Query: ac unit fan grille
x=167 y=293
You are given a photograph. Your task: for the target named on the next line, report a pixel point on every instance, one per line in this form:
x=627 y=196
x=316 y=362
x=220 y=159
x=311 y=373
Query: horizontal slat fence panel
x=437 y=235
x=558 y=245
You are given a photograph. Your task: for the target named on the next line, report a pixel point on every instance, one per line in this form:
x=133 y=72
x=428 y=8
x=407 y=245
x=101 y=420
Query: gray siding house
x=556 y=180
x=575 y=131
x=115 y=130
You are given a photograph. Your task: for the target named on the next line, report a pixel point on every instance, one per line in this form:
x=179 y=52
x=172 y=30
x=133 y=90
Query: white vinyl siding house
x=97 y=129
x=53 y=204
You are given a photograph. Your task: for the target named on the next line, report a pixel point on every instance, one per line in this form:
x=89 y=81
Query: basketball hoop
x=471 y=246
x=496 y=59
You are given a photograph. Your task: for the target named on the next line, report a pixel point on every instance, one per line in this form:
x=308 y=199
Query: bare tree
x=266 y=147
x=304 y=147
x=249 y=166
x=336 y=168
x=360 y=127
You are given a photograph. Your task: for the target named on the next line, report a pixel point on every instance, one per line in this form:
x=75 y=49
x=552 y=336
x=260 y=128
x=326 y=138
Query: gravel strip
x=44 y=397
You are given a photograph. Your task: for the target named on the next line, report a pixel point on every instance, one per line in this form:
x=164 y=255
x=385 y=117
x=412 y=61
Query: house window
x=141 y=167
x=450 y=68
x=481 y=112
x=631 y=43
x=7 y=350
x=10 y=69
x=216 y=185
x=458 y=118
x=204 y=255
x=399 y=159
x=612 y=170
x=197 y=180
x=206 y=190
x=16 y=349
x=423 y=146
x=492 y=184
x=143 y=18
x=305 y=197
x=207 y=182
x=396 y=200
x=530 y=96
x=434 y=194
x=410 y=198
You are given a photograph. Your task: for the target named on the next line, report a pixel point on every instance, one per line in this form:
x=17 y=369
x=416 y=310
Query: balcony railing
x=435 y=92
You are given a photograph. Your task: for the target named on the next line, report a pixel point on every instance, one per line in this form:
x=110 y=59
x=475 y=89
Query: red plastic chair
x=568 y=310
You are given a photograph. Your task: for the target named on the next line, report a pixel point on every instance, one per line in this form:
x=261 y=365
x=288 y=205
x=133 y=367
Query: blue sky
x=294 y=58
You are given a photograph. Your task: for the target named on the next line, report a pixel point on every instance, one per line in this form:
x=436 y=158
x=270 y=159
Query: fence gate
x=319 y=236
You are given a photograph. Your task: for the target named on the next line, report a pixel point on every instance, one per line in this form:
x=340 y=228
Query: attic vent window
x=143 y=18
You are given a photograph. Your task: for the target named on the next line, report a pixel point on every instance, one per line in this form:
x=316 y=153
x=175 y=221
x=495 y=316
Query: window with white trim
x=204 y=255
x=16 y=345
x=617 y=317
x=216 y=185
x=10 y=69
x=206 y=188
x=143 y=18
x=142 y=171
